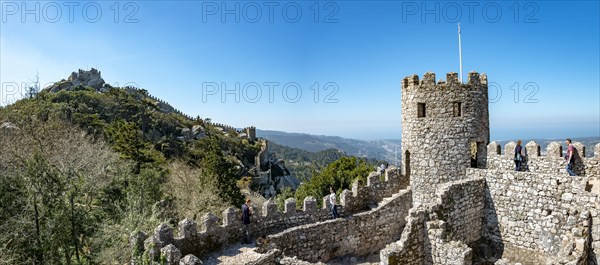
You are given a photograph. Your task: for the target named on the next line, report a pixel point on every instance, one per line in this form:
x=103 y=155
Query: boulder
x=190 y=260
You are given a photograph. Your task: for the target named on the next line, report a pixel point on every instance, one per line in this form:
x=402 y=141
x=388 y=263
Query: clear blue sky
x=357 y=52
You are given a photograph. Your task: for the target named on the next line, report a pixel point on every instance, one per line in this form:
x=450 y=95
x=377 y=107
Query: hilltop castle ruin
x=457 y=200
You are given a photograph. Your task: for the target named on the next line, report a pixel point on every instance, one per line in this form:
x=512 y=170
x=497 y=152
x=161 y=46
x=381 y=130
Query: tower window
x=420 y=110
x=457 y=108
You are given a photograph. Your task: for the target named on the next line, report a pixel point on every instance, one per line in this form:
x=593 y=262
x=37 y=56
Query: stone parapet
x=215 y=233
x=553 y=162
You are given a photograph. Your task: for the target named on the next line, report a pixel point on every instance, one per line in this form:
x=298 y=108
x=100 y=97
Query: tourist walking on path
x=333 y=202
x=519 y=156
x=569 y=157
x=246 y=213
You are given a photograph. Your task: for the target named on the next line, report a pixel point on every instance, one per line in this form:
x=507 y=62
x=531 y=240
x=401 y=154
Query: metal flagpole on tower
x=460 y=53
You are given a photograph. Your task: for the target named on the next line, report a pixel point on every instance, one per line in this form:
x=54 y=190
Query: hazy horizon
x=351 y=136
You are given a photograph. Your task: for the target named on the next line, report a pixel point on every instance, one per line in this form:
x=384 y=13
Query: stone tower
x=251 y=132
x=445 y=129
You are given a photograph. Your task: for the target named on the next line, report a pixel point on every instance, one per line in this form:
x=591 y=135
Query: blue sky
x=346 y=60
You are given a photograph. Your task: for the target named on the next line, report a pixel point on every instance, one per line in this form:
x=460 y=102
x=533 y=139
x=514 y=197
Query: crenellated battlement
x=163 y=105
x=166 y=107
x=215 y=232
x=474 y=81
x=362 y=234
x=550 y=161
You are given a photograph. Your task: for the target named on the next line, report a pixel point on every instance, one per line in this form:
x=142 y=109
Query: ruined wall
x=216 y=233
x=361 y=234
x=439 y=233
x=552 y=163
x=412 y=247
x=546 y=214
x=436 y=148
x=460 y=205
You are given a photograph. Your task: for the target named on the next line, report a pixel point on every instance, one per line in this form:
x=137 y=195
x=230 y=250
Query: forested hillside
x=80 y=170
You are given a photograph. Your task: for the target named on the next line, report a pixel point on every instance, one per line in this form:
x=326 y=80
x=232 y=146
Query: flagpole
x=460 y=53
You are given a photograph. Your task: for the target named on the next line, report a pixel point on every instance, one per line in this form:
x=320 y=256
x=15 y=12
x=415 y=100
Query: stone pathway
x=234 y=254
x=240 y=254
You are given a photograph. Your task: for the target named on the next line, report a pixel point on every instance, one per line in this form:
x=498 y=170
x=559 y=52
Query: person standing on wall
x=569 y=157
x=519 y=155
x=333 y=202
x=246 y=213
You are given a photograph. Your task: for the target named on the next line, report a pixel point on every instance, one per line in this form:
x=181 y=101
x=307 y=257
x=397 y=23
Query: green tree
x=216 y=164
x=69 y=198
x=57 y=173
x=340 y=175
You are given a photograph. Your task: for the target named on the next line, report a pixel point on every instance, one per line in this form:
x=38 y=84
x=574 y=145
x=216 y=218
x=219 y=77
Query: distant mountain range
x=376 y=149
x=380 y=149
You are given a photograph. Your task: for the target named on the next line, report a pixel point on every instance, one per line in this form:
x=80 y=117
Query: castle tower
x=445 y=129
x=251 y=132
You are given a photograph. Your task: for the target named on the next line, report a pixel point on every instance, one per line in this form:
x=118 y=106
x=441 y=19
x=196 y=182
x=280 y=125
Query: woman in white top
x=333 y=202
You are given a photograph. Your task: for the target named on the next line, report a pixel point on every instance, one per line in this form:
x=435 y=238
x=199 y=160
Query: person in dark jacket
x=246 y=213
x=519 y=156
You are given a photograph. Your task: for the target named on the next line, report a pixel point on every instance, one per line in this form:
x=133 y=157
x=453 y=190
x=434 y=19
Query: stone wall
x=216 y=233
x=460 y=205
x=552 y=163
x=413 y=243
x=360 y=234
x=450 y=136
x=361 y=197
x=439 y=233
x=546 y=214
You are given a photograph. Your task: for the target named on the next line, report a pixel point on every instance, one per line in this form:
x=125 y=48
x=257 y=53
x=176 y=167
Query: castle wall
x=216 y=233
x=360 y=198
x=438 y=145
x=551 y=163
x=439 y=233
x=411 y=248
x=460 y=205
x=361 y=234
x=547 y=214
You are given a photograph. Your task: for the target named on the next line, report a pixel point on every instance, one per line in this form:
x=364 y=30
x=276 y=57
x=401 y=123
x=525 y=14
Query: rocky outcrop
x=196 y=132
x=83 y=78
x=273 y=177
